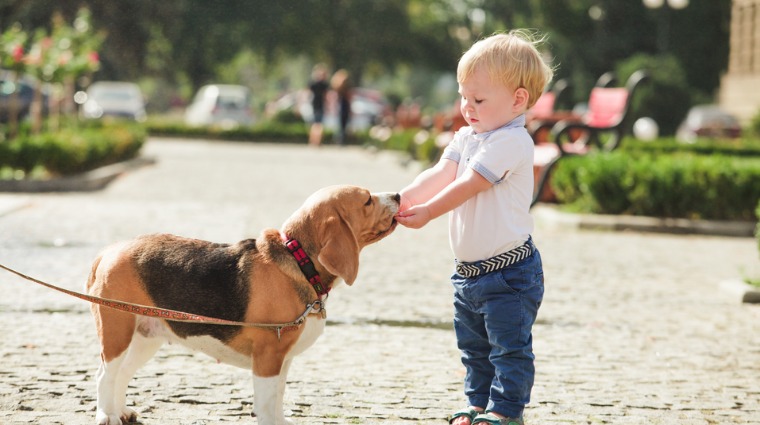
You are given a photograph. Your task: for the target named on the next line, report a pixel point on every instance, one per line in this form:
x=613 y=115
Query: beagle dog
x=276 y=278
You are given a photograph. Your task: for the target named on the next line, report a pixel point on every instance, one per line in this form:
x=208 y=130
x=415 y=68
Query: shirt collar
x=519 y=121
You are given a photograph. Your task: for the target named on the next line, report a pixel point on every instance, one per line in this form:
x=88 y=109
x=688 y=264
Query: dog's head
x=338 y=221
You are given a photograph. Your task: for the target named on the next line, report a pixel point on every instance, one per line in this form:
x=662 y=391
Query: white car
x=114 y=99
x=224 y=105
x=708 y=121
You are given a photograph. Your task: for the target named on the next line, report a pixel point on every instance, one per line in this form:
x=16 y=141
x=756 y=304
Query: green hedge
x=737 y=147
x=271 y=131
x=72 y=150
x=419 y=144
x=757 y=228
x=675 y=185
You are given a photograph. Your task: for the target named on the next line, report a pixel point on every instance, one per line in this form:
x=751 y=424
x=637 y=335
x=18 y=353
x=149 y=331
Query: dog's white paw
x=103 y=418
x=128 y=415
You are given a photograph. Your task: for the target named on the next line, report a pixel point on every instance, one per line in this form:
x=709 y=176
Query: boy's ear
x=521 y=99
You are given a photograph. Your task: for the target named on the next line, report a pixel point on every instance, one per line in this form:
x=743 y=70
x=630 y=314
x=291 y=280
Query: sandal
x=465 y=413
x=488 y=418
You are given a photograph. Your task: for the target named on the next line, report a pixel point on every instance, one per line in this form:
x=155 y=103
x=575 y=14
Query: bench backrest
x=544 y=106
x=606 y=106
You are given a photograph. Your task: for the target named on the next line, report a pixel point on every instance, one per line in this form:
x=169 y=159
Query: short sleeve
x=499 y=156
x=454 y=149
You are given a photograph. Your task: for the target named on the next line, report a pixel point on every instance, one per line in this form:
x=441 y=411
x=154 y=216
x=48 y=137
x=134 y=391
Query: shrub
x=754 y=125
x=428 y=151
x=682 y=185
x=402 y=141
x=73 y=150
x=271 y=131
x=737 y=147
x=419 y=144
x=288 y=116
x=281 y=129
x=757 y=228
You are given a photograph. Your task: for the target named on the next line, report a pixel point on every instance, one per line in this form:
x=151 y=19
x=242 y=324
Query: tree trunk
x=13 y=110
x=36 y=109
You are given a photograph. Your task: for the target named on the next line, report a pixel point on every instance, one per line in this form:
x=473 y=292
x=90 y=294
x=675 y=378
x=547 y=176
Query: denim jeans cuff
x=478 y=401
x=508 y=411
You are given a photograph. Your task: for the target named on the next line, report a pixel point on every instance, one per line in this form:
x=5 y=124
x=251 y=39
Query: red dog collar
x=306 y=265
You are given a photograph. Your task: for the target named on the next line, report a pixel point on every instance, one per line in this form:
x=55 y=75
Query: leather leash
x=315 y=307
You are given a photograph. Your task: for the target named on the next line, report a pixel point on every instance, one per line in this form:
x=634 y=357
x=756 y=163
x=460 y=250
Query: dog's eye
x=369 y=201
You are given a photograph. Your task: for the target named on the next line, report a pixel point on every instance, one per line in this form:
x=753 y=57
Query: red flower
x=94 y=58
x=18 y=53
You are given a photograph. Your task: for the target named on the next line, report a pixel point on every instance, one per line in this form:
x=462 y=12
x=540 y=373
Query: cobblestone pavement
x=634 y=328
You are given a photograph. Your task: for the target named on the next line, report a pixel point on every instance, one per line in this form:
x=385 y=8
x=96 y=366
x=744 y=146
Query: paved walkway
x=634 y=328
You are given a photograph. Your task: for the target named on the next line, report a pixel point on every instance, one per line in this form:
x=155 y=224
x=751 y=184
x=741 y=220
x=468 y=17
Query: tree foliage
x=187 y=40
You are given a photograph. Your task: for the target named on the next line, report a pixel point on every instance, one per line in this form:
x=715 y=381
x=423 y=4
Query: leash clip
x=318 y=307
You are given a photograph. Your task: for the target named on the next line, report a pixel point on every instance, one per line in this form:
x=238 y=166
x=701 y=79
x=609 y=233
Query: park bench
x=545 y=113
x=601 y=127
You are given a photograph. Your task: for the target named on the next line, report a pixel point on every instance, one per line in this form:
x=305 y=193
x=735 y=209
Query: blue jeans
x=493 y=317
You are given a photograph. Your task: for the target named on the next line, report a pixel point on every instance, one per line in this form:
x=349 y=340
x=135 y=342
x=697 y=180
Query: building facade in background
x=740 y=86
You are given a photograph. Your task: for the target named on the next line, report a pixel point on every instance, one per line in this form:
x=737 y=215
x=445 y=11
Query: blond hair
x=512 y=59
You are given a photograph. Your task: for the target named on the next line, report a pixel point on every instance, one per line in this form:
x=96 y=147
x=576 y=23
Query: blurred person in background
x=341 y=83
x=318 y=87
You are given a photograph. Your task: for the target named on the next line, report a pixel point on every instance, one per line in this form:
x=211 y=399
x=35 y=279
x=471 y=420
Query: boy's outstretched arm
x=429 y=183
x=453 y=195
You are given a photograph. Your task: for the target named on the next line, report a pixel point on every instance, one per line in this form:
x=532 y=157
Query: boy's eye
x=478 y=101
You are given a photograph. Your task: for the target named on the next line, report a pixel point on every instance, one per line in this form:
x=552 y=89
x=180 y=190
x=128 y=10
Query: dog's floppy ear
x=340 y=252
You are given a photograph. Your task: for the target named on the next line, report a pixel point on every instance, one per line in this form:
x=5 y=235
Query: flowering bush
x=58 y=57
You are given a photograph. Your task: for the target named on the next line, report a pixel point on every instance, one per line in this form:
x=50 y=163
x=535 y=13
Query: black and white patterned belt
x=498 y=262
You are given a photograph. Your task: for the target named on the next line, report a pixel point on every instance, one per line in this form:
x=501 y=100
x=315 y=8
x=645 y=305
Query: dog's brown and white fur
x=255 y=281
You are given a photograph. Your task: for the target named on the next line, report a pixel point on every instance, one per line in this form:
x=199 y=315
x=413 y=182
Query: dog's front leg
x=268 y=394
x=107 y=411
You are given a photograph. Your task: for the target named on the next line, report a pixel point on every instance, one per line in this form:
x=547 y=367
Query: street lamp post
x=663 y=26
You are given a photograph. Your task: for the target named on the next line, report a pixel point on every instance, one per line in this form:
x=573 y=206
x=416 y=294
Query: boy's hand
x=404 y=204
x=414 y=217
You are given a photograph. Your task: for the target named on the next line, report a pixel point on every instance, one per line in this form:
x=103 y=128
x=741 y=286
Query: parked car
x=114 y=99
x=225 y=105
x=368 y=108
x=296 y=102
x=708 y=121
x=25 y=89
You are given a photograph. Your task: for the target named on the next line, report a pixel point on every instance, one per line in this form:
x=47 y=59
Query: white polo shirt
x=497 y=219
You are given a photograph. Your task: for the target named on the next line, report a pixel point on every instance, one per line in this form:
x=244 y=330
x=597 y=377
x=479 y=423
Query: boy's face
x=487 y=105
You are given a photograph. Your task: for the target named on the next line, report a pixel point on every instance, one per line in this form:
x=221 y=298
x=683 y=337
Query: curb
x=86 y=182
x=745 y=292
x=551 y=215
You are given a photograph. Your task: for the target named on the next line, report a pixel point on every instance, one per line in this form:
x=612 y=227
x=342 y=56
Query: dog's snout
x=391 y=200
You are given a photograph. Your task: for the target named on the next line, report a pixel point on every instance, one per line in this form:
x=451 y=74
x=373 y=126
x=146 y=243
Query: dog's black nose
x=397 y=197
